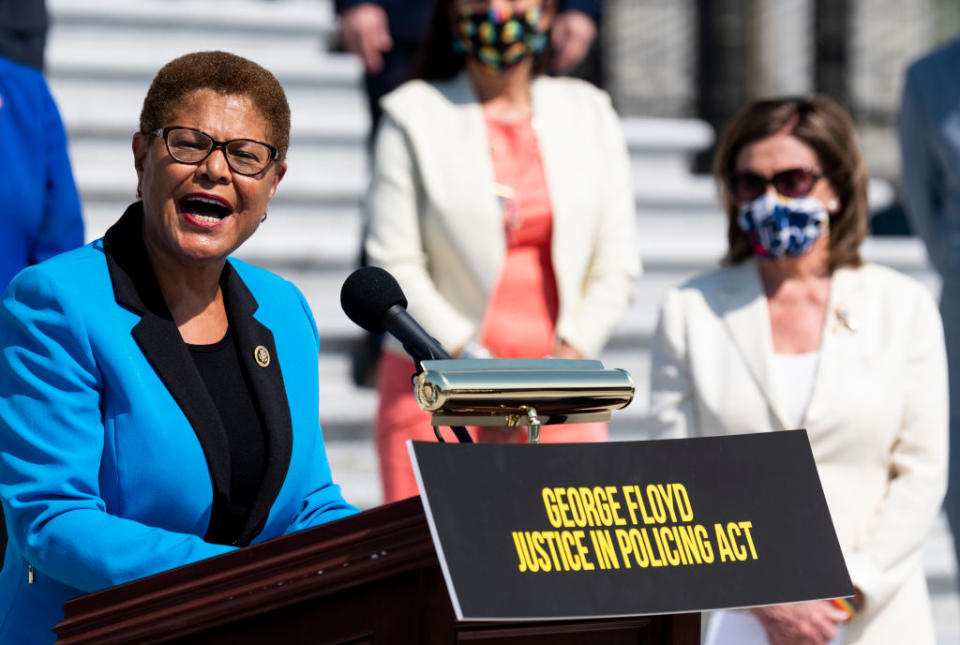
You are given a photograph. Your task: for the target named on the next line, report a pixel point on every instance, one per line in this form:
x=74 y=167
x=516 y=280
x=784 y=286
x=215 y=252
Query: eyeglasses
x=746 y=186
x=244 y=156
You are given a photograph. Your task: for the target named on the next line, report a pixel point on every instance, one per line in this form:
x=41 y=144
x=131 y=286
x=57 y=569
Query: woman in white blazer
x=470 y=158
x=796 y=331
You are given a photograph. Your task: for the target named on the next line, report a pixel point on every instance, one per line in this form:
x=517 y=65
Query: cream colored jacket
x=436 y=223
x=877 y=419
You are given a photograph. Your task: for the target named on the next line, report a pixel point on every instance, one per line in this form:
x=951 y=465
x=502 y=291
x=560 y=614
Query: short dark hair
x=823 y=124
x=225 y=74
x=436 y=60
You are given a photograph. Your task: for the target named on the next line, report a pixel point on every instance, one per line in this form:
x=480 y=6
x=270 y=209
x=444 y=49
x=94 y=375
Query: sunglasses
x=746 y=186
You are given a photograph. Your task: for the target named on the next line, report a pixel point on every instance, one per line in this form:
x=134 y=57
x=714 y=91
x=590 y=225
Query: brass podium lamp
x=520 y=392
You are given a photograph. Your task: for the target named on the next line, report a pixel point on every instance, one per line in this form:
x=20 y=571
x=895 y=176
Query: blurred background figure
x=23 y=31
x=41 y=206
x=36 y=186
x=501 y=201
x=797 y=331
x=929 y=128
x=386 y=35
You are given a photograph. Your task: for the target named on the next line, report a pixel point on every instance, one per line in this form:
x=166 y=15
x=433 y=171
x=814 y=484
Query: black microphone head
x=367 y=294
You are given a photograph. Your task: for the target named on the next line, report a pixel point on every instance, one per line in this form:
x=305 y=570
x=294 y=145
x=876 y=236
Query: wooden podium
x=370 y=578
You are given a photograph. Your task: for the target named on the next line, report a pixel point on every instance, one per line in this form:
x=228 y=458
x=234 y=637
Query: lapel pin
x=262 y=355
x=845 y=319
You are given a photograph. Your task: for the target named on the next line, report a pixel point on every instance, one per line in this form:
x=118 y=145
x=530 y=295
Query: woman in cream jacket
x=795 y=331
x=466 y=158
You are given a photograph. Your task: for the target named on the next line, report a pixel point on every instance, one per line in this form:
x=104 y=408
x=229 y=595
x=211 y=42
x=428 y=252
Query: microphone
x=372 y=299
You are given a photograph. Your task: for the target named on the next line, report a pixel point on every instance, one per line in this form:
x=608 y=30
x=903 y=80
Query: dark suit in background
x=23 y=31
x=929 y=129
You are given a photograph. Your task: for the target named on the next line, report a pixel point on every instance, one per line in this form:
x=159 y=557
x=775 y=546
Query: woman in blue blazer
x=158 y=400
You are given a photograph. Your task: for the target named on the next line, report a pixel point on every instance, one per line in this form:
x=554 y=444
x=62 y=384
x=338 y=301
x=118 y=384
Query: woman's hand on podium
x=565 y=350
x=804 y=623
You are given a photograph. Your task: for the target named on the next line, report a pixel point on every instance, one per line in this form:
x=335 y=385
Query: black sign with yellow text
x=627 y=528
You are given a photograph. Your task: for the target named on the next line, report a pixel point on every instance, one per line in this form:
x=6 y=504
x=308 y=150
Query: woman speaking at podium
x=501 y=201
x=796 y=331
x=158 y=400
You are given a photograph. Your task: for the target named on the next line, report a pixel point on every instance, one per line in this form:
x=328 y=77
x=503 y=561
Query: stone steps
x=188 y=19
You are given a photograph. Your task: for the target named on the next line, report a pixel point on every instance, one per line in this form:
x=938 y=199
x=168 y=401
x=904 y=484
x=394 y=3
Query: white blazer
x=877 y=418
x=436 y=224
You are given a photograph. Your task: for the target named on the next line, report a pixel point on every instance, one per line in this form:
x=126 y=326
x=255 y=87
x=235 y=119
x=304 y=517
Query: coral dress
x=520 y=316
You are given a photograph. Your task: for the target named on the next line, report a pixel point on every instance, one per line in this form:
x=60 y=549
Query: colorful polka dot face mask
x=499 y=38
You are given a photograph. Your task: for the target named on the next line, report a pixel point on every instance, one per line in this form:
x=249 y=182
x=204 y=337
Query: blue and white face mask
x=780 y=227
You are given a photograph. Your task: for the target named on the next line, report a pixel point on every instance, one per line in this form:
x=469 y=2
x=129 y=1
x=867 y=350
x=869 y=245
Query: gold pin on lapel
x=844 y=318
x=262 y=355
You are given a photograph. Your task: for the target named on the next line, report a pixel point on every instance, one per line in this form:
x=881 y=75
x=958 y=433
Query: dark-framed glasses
x=746 y=186
x=244 y=156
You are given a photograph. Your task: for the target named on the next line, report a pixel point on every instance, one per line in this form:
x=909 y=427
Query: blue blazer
x=113 y=462
x=39 y=204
